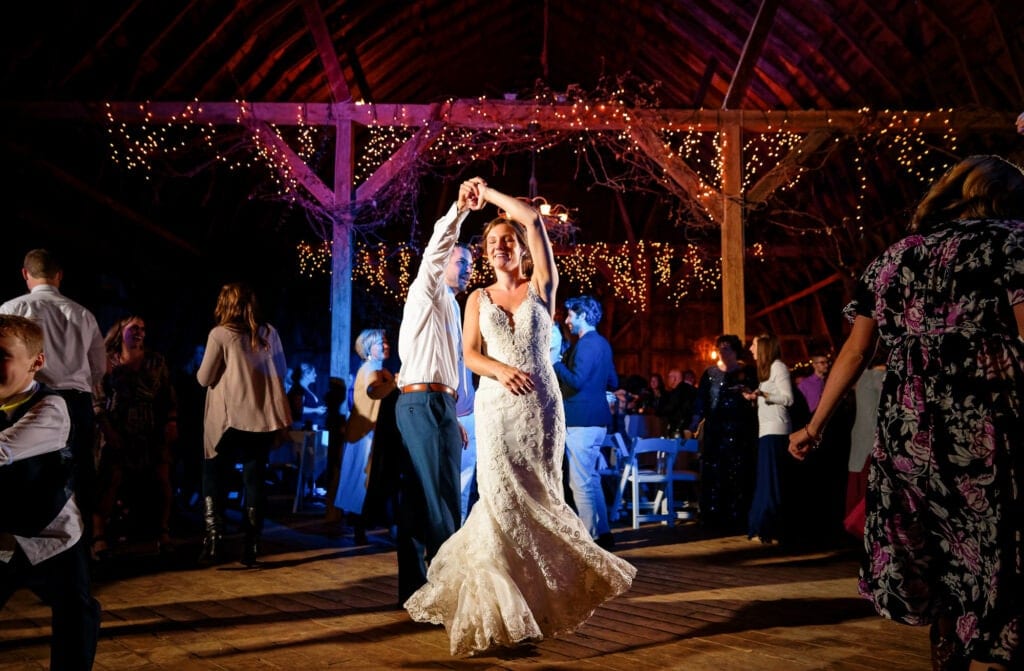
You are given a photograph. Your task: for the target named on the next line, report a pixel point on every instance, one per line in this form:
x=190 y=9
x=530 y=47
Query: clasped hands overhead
x=471 y=194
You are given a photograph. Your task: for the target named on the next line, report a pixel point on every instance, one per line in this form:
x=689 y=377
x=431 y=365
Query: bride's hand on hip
x=518 y=382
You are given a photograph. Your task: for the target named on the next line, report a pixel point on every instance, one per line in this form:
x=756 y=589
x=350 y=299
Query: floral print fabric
x=944 y=507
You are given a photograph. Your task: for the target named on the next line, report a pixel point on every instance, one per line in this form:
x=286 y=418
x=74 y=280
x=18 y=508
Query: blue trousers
x=430 y=506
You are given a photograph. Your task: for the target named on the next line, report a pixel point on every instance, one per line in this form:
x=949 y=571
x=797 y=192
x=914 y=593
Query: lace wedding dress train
x=523 y=567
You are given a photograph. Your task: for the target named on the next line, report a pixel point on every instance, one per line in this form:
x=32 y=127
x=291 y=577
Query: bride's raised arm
x=545 y=274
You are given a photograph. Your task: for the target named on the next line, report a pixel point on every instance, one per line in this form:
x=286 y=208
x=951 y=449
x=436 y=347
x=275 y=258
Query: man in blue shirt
x=585 y=373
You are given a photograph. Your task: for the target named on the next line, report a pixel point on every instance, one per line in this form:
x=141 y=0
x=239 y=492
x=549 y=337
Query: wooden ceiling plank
x=325 y=48
x=261 y=33
x=705 y=83
x=968 y=73
x=1013 y=59
x=148 y=57
x=196 y=55
x=855 y=43
x=90 y=57
x=272 y=55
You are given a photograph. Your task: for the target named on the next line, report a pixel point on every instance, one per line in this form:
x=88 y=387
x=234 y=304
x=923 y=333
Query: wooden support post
x=733 y=302
x=341 y=253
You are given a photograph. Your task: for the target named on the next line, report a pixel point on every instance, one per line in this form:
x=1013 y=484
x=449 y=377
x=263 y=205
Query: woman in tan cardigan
x=246 y=406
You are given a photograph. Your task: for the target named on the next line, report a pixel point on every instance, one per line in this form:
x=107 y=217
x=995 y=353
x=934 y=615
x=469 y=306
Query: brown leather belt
x=430 y=386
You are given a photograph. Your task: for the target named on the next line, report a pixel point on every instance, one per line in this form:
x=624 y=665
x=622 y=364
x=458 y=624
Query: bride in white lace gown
x=523 y=566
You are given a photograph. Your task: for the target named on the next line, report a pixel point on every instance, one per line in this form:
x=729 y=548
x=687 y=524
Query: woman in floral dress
x=945 y=520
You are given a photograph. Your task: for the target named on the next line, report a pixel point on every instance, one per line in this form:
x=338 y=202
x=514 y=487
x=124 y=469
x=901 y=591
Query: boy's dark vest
x=34 y=490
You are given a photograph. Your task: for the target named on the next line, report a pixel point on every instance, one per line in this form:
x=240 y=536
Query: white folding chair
x=652 y=465
x=618 y=457
x=686 y=472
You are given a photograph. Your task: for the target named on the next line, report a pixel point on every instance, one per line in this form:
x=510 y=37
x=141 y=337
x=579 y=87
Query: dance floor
x=318 y=601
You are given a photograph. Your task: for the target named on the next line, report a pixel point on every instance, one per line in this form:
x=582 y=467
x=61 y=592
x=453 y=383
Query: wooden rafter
x=116 y=206
x=871 y=57
x=325 y=47
x=198 y=53
x=148 y=57
x=90 y=57
x=744 y=71
x=705 y=83
x=968 y=73
x=273 y=56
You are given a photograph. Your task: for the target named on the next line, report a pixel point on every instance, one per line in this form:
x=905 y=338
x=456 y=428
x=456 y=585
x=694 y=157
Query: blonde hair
x=24 y=329
x=366 y=340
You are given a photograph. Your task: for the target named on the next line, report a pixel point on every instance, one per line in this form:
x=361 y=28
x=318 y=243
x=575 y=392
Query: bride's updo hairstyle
x=525 y=261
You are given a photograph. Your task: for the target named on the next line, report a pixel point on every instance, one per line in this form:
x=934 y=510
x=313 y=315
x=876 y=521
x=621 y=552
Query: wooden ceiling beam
x=786 y=169
x=489 y=114
x=705 y=83
x=298 y=168
x=405 y=155
x=813 y=289
x=676 y=169
x=710 y=250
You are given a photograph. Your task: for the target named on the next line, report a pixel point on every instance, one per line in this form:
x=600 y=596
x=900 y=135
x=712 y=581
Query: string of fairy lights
x=632 y=270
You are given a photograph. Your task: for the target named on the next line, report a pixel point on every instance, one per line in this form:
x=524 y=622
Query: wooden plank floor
x=320 y=602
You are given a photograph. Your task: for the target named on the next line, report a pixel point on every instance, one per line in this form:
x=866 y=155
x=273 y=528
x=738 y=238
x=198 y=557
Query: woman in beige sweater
x=246 y=406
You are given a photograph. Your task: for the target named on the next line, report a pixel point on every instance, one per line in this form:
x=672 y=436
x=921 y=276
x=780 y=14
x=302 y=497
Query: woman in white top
x=246 y=406
x=774 y=395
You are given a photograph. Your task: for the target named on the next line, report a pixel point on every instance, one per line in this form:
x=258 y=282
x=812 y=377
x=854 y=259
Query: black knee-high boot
x=213 y=522
x=253 y=524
